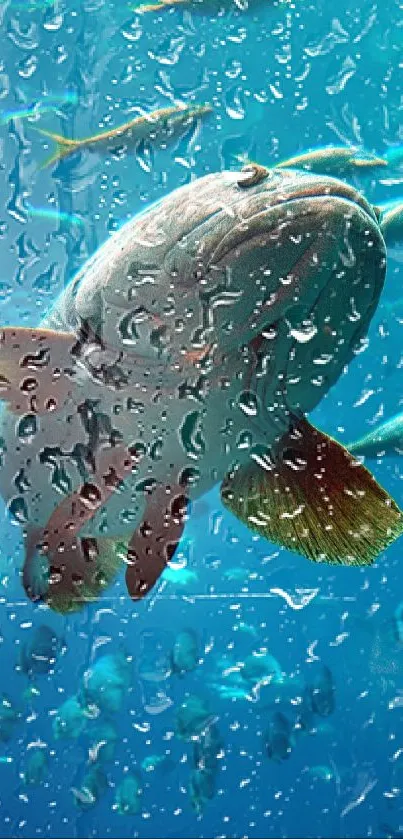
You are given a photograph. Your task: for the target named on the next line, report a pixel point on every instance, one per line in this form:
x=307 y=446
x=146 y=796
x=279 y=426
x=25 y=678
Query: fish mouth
x=279 y=211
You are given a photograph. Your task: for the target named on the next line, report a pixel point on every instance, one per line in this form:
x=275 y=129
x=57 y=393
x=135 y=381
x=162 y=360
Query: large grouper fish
x=186 y=353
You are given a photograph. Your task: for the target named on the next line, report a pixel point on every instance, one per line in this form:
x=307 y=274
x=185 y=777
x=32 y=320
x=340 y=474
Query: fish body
x=161 y=126
x=183 y=355
x=95 y=784
x=202 y=786
x=278 y=737
x=154 y=662
x=193 y=717
x=105 y=683
x=160 y=763
x=36 y=767
x=261 y=669
x=204 y=7
x=321 y=691
x=128 y=796
x=185 y=652
x=385 y=439
x=335 y=160
x=104 y=739
x=70 y=720
x=207 y=749
x=38 y=654
x=306 y=721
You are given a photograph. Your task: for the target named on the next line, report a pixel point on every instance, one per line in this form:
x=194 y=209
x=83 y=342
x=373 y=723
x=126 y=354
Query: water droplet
x=305 y=332
x=27 y=67
x=248 y=403
x=27 y=428
x=127 y=325
x=191 y=437
x=294 y=459
x=244 y=440
x=90 y=496
x=18 y=510
x=61 y=480
x=29 y=385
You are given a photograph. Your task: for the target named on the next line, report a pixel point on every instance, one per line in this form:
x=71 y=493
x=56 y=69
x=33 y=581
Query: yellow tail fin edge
x=64 y=147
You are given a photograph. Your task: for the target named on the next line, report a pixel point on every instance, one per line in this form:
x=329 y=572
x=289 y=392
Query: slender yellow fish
x=162 y=125
x=334 y=160
x=202 y=6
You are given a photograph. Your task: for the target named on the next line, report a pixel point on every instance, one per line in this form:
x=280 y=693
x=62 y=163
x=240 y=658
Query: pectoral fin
x=75 y=575
x=314 y=498
x=35 y=369
x=63 y=568
x=154 y=542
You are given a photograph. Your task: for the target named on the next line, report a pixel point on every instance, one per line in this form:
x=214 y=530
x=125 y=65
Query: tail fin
x=64 y=147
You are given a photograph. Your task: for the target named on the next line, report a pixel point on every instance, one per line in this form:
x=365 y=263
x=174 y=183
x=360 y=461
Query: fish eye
x=254 y=173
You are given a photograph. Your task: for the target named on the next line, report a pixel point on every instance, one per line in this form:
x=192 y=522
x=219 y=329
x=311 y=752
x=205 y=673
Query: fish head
x=282 y=265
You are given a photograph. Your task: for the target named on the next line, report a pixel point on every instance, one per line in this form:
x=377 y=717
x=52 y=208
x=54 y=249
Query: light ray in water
x=54 y=215
x=49 y=104
x=34 y=5
x=360 y=798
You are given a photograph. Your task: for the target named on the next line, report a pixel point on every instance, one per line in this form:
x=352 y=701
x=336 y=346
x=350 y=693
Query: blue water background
x=280 y=80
